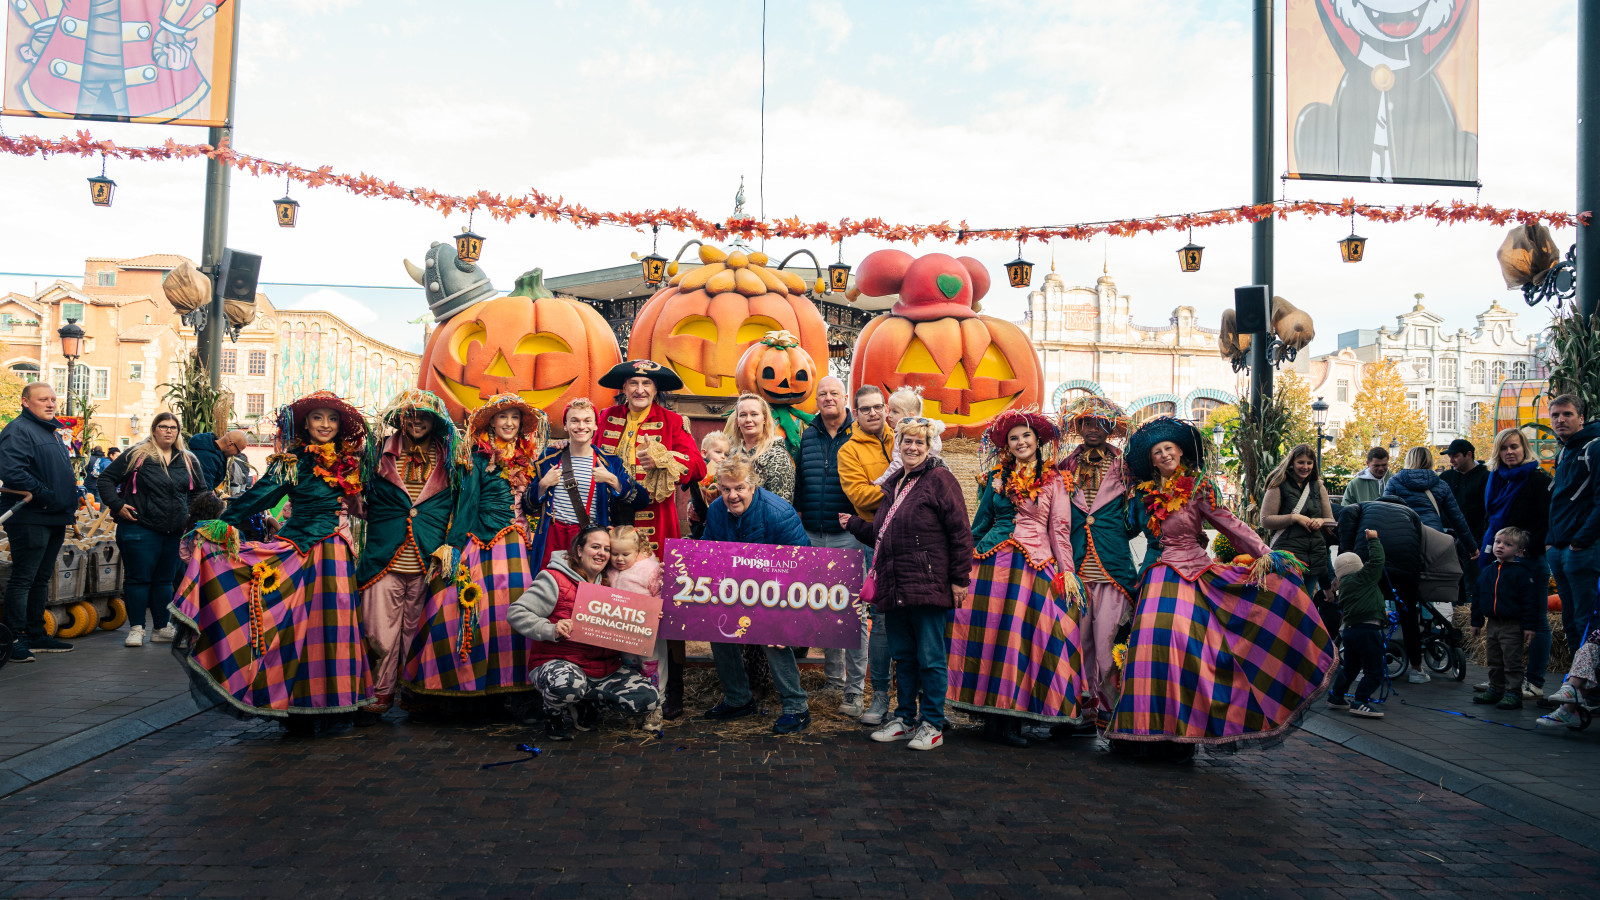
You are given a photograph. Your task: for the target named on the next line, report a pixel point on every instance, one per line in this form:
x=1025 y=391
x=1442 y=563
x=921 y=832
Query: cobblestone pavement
x=218 y=808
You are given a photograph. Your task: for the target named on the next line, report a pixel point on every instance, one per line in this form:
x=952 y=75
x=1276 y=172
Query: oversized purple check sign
x=761 y=594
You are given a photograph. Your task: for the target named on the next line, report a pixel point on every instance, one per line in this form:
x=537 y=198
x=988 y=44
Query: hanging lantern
x=1189 y=255
x=1354 y=247
x=469 y=246
x=101 y=188
x=1019 y=270
x=838 y=273
x=288 y=210
x=654 y=266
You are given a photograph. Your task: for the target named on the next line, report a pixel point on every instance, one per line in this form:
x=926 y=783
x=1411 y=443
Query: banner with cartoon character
x=1383 y=90
x=165 y=62
x=761 y=594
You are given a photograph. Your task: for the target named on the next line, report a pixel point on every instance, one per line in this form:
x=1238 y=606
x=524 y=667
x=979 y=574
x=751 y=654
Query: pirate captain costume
x=273 y=627
x=465 y=646
x=409 y=497
x=1223 y=655
x=1014 y=642
x=1097 y=481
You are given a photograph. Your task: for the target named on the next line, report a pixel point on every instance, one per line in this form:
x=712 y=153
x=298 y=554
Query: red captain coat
x=657 y=522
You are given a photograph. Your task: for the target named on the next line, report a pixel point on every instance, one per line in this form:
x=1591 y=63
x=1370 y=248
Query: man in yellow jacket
x=862 y=460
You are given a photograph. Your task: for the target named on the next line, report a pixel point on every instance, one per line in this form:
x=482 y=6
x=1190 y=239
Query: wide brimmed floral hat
x=1157 y=430
x=534 y=421
x=1044 y=429
x=292 y=418
x=1113 y=421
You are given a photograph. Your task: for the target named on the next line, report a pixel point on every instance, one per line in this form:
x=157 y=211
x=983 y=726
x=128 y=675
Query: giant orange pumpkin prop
x=547 y=350
x=708 y=316
x=970 y=368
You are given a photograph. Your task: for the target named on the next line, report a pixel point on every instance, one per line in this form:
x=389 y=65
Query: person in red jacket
x=564 y=671
x=637 y=419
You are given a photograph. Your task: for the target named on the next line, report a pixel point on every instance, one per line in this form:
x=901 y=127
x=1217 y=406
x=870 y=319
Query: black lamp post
x=71 y=347
x=1319 y=417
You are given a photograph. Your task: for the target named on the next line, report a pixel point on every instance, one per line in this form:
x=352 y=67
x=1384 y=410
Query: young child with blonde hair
x=904 y=403
x=635 y=569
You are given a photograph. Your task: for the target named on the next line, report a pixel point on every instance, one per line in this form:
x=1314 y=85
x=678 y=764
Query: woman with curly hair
x=1014 y=643
x=273 y=627
x=754 y=433
x=1222 y=655
x=466 y=647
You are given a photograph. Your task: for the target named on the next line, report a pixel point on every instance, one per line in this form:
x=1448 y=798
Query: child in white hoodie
x=635 y=569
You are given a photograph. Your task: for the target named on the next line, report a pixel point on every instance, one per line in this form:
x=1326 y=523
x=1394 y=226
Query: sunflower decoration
x=1119 y=656
x=470 y=595
x=267 y=577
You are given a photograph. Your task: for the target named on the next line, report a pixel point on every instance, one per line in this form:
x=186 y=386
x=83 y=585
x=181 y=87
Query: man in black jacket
x=35 y=462
x=1468 y=480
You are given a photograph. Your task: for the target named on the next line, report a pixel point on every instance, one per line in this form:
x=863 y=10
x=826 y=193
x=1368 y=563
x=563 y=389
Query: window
x=124 y=442
x=1447 y=372
x=102 y=383
x=106 y=279
x=1202 y=408
x=1424 y=368
x=1497 y=373
x=72 y=311
x=1478 y=410
x=1155 y=409
x=1480 y=371
x=1447 y=415
x=258 y=362
x=28 y=372
x=80 y=379
x=230 y=362
x=1425 y=336
x=6 y=320
x=255 y=404
x=1519 y=370
x=1341 y=390
x=136 y=371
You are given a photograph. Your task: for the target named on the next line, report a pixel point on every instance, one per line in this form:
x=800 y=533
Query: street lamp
x=71 y=347
x=1217 y=434
x=1319 y=417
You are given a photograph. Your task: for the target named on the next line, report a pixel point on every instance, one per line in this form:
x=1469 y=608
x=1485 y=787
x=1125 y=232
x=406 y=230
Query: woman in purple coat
x=921 y=567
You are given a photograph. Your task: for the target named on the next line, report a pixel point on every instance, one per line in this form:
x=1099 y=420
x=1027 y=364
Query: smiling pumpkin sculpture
x=707 y=317
x=548 y=350
x=970 y=368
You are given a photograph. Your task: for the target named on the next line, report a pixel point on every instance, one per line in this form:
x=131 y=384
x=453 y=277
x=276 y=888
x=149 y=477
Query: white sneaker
x=1418 y=676
x=135 y=637
x=1481 y=686
x=926 y=737
x=654 y=720
x=1566 y=694
x=851 y=707
x=1529 y=692
x=1561 y=718
x=892 y=730
x=164 y=635
x=875 y=713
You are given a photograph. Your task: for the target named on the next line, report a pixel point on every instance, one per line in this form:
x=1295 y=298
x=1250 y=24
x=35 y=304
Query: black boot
x=1011 y=732
x=991 y=727
x=673 y=707
x=557 y=727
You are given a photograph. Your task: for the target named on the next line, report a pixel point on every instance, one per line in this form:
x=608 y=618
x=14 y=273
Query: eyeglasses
x=167 y=427
x=864 y=410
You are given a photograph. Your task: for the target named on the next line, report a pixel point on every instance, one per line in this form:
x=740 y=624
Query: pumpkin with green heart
x=970 y=368
x=548 y=350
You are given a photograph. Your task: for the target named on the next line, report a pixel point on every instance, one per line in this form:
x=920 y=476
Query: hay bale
x=965 y=460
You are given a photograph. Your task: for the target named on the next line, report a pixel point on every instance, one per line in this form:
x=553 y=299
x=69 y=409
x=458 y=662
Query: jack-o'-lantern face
x=547 y=350
x=705 y=320
x=777 y=369
x=970 y=368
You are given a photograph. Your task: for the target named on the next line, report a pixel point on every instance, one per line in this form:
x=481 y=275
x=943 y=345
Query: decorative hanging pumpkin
x=777 y=369
x=708 y=316
x=546 y=349
x=970 y=368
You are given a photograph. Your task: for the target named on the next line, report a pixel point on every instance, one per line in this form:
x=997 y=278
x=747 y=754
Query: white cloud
x=833 y=20
x=345 y=307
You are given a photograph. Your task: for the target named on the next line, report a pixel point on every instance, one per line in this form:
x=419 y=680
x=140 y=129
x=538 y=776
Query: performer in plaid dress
x=273 y=627
x=466 y=647
x=1014 y=643
x=1222 y=655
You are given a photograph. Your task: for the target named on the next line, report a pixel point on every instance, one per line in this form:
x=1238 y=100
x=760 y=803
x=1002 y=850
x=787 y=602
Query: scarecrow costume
x=409 y=496
x=273 y=627
x=1223 y=655
x=1014 y=643
x=465 y=646
x=1097 y=481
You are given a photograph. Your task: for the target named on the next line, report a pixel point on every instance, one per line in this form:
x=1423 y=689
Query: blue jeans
x=1363 y=655
x=846 y=669
x=34 y=549
x=1577 y=574
x=729 y=659
x=921 y=653
x=149 y=566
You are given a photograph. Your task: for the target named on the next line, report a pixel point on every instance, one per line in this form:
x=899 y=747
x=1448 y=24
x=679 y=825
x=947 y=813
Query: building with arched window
x=1088 y=344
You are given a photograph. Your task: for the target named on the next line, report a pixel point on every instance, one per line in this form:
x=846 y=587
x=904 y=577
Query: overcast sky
x=999 y=113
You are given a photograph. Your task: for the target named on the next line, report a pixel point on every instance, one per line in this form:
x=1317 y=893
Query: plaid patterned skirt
x=1216 y=661
x=274 y=631
x=464 y=649
x=1014 y=643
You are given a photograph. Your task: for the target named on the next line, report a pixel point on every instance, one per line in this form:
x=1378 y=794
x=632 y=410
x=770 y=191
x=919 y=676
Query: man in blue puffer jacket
x=748 y=514
x=1574 y=537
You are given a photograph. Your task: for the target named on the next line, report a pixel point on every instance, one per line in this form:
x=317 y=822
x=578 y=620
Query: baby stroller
x=1442 y=653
